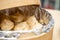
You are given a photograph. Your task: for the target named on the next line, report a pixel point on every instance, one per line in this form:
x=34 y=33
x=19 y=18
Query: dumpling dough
x=21 y=26
x=32 y=21
x=7 y=25
x=17 y=17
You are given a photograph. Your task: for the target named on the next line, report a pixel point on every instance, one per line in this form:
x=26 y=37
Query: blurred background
x=51 y=4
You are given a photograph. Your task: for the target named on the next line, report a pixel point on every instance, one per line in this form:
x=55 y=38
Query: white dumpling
x=21 y=26
x=7 y=25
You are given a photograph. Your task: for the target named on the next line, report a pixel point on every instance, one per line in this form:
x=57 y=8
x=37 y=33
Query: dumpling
x=32 y=21
x=22 y=26
x=17 y=17
x=7 y=25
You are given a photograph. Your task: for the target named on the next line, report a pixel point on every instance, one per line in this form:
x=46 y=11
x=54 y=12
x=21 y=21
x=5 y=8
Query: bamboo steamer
x=5 y=4
x=43 y=36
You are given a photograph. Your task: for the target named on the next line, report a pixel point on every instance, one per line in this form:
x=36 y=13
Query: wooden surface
x=4 y=4
x=56 y=31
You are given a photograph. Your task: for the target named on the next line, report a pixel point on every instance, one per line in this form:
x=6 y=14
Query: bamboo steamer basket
x=43 y=36
x=5 y=4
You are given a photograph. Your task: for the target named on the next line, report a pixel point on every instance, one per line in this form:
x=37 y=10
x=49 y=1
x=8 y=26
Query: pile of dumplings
x=22 y=20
